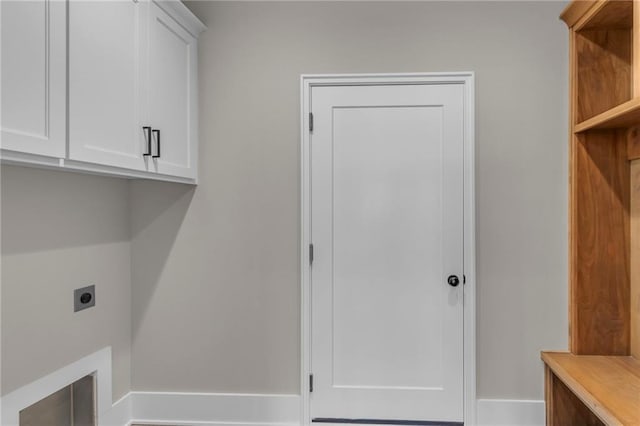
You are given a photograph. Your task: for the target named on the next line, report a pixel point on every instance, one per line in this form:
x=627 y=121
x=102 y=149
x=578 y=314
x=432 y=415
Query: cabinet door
x=104 y=83
x=172 y=93
x=34 y=76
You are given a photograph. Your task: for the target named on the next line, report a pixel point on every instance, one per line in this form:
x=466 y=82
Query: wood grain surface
x=563 y=408
x=607 y=14
x=619 y=117
x=633 y=143
x=600 y=244
x=635 y=259
x=603 y=70
x=575 y=11
x=608 y=386
x=635 y=55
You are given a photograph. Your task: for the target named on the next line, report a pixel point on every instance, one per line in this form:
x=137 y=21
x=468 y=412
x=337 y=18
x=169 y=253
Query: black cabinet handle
x=157 y=133
x=147 y=136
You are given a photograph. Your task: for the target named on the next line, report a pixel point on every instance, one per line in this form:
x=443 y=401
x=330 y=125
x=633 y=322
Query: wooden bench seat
x=609 y=387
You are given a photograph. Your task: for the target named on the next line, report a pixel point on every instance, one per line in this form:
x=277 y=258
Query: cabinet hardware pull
x=157 y=132
x=147 y=136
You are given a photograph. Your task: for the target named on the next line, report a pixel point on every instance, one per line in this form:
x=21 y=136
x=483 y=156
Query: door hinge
x=310 y=254
x=464 y=279
x=310 y=382
x=311 y=122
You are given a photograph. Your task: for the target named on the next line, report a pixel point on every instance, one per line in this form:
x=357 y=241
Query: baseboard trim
x=212 y=409
x=510 y=412
x=197 y=423
x=204 y=409
x=218 y=409
x=119 y=414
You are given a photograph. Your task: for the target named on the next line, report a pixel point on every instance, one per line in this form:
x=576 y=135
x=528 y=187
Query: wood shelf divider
x=621 y=116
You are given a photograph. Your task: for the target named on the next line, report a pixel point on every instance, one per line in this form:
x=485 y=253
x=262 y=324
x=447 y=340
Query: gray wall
x=215 y=269
x=62 y=231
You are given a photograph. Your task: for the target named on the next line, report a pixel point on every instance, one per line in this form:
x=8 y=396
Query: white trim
x=470 y=407
x=160 y=408
x=98 y=363
x=222 y=409
x=61 y=164
x=119 y=415
x=182 y=15
x=198 y=423
x=465 y=78
x=510 y=412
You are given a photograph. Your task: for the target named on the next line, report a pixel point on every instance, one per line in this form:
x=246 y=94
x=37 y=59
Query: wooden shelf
x=608 y=385
x=625 y=115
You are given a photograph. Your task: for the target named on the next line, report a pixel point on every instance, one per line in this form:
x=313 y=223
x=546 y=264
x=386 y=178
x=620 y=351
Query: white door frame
x=469 y=261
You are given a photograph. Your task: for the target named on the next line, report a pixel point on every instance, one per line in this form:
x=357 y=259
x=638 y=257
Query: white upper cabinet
x=104 y=83
x=34 y=76
x=131 y=70
x=172 y=96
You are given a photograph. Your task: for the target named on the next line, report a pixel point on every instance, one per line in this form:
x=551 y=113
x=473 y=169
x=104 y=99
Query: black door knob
x=453 y=280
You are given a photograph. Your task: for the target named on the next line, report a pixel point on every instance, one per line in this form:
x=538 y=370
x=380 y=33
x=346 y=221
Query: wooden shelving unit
x=599 y=381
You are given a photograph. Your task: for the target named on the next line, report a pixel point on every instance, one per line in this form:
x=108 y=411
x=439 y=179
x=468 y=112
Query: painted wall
x=62 y=231
x=215 y=269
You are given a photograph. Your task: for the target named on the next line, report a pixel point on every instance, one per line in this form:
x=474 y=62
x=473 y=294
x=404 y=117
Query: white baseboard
x=119 y=414
x=510 y=412
x=212 y=409
x=204 y=409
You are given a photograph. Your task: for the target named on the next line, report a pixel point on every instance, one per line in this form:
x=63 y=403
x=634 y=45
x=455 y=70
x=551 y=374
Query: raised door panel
x=34 y=77
x=172 y=98
x=104 y=83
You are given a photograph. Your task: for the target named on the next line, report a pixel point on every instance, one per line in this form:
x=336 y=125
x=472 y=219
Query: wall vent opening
x=73 y=405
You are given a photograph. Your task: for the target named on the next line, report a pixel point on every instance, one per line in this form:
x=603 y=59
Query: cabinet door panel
x=34 y=76
x=104 y=83
x=172 y=99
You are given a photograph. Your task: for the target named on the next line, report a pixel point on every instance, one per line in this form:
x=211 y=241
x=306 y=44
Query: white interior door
x=387 y=230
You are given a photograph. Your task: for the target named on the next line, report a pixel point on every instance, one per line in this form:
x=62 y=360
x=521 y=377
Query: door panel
x=104 y=91
x=34 y=77
x=387 y=231
x=384 y=199
x=172 y=56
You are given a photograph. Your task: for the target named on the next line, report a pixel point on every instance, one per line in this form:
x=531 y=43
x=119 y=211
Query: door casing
x=307 y=82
